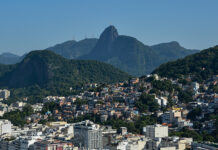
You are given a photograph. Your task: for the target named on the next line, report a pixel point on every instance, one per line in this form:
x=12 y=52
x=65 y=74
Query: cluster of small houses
x=86 y=135
x=117 y=101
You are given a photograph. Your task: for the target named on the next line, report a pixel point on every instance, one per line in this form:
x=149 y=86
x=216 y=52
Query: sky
x=32 y=25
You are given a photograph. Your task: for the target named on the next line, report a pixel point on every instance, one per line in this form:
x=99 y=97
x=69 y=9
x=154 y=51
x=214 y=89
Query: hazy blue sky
x=28 y=25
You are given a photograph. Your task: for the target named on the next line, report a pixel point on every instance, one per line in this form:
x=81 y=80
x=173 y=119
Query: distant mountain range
x=47 y=69
x=172 y=50
x=9 y=58
x=73 y=49
x=200 y=66
x=123 y=52
x=131 y=55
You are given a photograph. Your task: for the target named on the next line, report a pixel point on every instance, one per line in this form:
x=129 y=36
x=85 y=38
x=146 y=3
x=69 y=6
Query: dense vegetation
x=50 y=106
x=214 y=88
x=133 y=127
x=17 y=117
x=147 y=103
x=185 y=96
x=44 y=73
x=165 y=85
x=201 y=66
x=196 y=112
x=185 y=132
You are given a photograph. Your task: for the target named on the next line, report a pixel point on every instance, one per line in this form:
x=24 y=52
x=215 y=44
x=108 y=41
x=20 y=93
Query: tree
x=194 y=113
x=165 y=85
x=185 y=132
x=154 y=91
x=18 y=117
x=170 y=102
x=79 y=102
x=28 y=110
x=50 y=106
x=185 y=96
x=147 y=102
x=134 y=127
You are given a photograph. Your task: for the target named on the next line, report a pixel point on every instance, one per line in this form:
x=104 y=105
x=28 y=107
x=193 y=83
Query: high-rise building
x=88 y=135
x=5 y=126
x=156 y=131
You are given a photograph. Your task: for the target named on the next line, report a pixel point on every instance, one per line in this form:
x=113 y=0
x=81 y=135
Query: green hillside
x=45 y=73
x=201 y=66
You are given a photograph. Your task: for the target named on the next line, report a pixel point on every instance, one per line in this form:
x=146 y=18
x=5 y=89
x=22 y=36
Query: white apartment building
x=156 y=131
x=5 y=126
x=88 y=135
x=123 y=130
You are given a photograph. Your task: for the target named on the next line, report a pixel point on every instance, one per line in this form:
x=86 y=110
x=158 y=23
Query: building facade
x=5 y=126
x=88 y=135
x=156 y=131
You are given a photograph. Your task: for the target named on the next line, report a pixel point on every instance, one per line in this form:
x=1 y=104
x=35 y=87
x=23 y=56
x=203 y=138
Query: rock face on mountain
x=103 y=46
x=131 y=55
x=47 y=69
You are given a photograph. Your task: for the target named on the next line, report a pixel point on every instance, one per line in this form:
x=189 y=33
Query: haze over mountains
x=73 y=49
x=9 y=58
x=123 y=52
x=131 y=55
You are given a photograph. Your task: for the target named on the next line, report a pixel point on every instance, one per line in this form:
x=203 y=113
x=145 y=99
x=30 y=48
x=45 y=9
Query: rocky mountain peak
x=109 y=34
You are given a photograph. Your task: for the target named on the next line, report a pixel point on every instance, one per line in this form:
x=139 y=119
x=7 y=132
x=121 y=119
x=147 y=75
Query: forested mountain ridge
x=201 y=66
x=46 y=68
